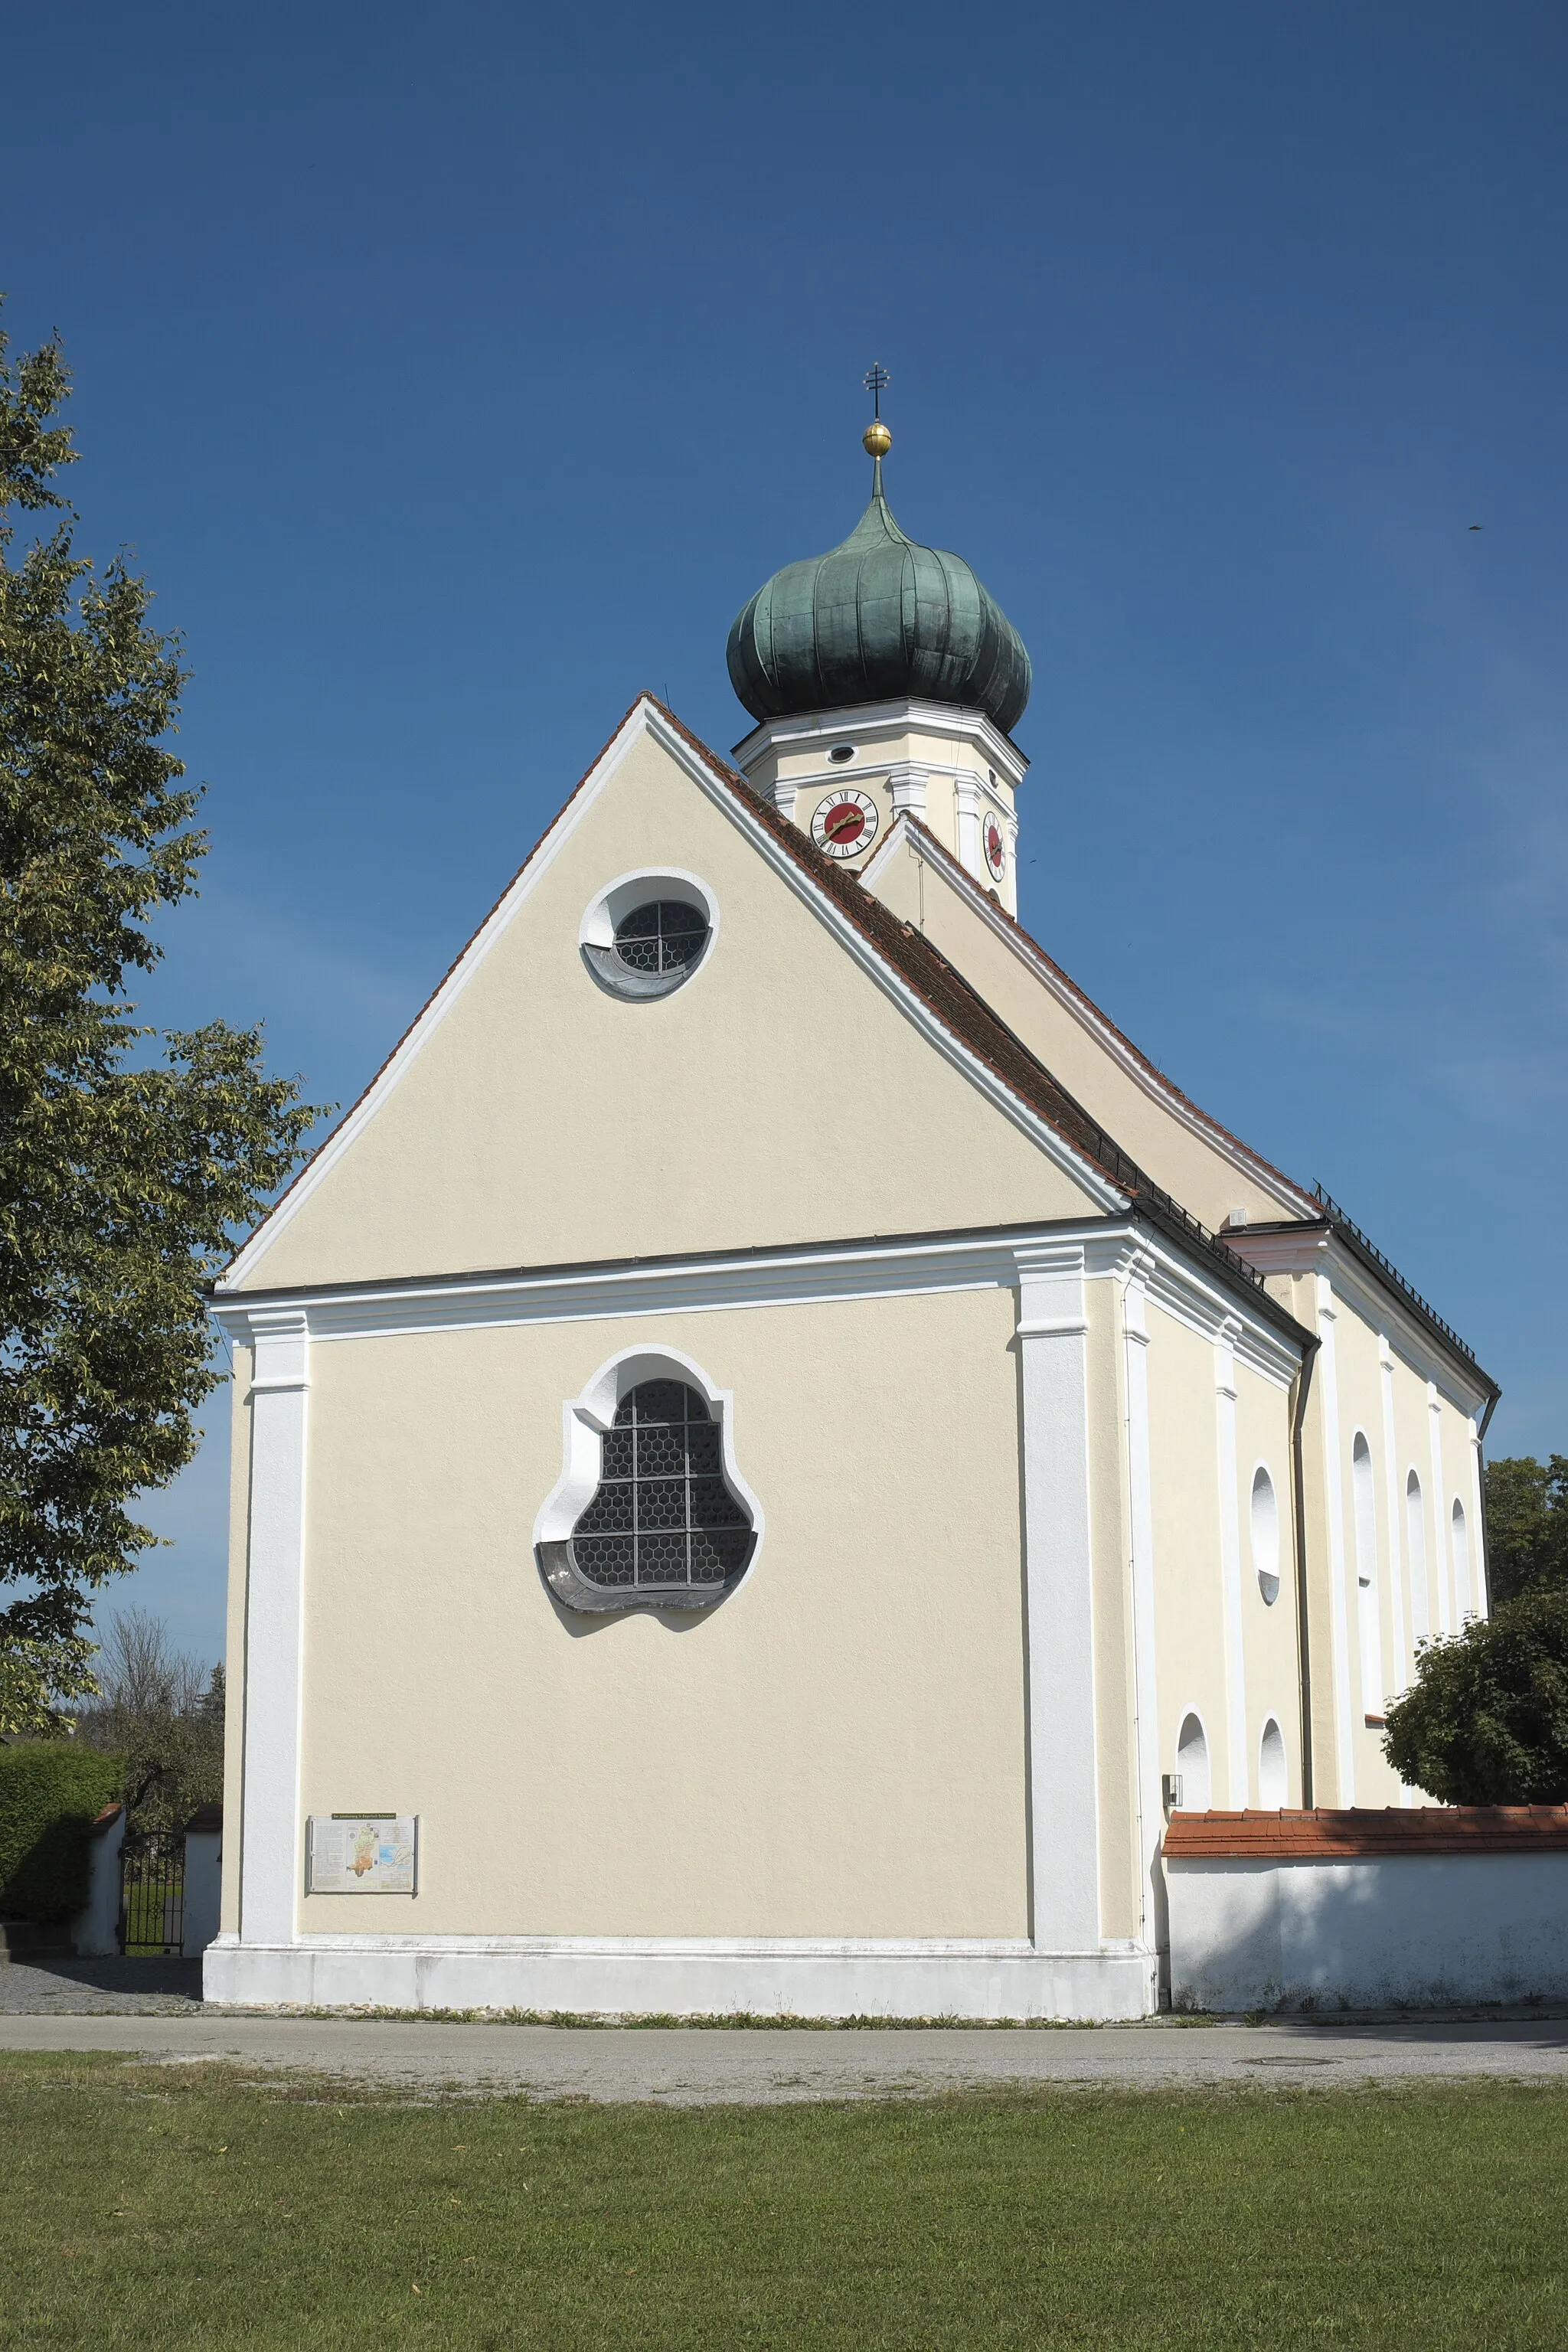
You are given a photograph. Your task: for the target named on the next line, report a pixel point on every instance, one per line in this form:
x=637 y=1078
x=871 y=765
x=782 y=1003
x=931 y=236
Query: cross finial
x=875 y=440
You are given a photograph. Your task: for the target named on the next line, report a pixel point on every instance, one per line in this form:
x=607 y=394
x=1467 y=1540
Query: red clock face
x=844 y=824
x=995 y=847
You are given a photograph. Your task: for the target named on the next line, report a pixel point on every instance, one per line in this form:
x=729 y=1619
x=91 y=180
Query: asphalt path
x=692 y=2066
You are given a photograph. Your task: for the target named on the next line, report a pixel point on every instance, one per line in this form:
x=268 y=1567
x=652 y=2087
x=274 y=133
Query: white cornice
x=871 y=722
x=1318 y=1250
x=1089 y=1018
x=1108 y=1249
x=647 y=718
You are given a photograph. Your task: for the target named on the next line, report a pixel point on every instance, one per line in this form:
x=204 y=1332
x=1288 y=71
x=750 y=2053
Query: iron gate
x=152 y=1892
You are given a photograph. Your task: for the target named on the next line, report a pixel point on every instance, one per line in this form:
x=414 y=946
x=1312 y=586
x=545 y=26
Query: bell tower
x=885 y=679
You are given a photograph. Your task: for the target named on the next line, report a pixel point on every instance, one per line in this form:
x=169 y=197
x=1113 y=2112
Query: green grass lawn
x=184 y=2206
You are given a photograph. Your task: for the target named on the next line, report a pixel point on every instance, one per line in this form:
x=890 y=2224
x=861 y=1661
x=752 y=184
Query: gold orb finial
x=877 y=440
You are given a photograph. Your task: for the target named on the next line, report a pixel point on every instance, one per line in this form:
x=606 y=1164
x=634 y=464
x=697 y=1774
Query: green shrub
x=1485 y=1720
x=51 y=1792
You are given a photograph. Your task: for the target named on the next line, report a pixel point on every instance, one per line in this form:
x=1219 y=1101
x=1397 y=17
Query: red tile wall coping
x=1324 y=1835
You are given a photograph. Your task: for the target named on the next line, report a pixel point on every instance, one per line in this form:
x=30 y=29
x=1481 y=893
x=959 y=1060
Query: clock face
x=995 y=847
x=844 y=824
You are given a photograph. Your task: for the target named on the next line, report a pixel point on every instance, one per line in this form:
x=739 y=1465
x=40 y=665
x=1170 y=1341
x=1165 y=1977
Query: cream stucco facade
x=1052 y=1495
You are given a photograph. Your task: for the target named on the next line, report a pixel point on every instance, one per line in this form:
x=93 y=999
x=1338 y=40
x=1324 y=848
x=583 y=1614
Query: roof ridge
x=918 y=824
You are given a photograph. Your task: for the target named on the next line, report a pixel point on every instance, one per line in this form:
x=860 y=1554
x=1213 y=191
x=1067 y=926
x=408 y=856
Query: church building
x=722 y=1522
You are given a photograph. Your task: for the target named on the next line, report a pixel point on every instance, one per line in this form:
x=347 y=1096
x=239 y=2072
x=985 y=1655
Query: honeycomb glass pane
x=662 y=1516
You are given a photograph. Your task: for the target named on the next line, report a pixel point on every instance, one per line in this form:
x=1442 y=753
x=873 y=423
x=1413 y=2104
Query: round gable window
x=647 y=934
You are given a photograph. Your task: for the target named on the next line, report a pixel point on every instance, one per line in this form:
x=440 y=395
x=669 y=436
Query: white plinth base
x=616 y=1977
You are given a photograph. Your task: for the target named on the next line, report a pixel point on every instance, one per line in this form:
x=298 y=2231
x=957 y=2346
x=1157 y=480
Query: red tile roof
x=961 y=878
x=1361 y=1832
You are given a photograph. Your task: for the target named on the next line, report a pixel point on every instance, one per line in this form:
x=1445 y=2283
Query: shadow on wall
x=1260 y=1920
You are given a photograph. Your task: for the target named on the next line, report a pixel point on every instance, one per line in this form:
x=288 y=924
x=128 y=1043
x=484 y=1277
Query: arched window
x=1192 y=1765
x=1415 y=1541
x=1368 y=1622
x=1273 y=1771
x=1266 y=1535
x=1461 y=1558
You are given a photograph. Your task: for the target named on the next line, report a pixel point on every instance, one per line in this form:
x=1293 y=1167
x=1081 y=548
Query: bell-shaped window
x=662 y=1524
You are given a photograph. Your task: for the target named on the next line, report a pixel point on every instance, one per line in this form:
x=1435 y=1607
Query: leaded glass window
x=663 y=936
x=662 y=1519
x=652 y=950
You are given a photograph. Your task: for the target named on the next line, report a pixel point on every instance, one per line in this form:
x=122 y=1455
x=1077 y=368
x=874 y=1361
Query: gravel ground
x=689 y=2066
x=100 y=1989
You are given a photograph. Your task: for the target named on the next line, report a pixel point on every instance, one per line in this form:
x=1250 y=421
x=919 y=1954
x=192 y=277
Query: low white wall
x=1423 y=1931
x=609 y=1976
x=204 y=1887
x=94 y=1930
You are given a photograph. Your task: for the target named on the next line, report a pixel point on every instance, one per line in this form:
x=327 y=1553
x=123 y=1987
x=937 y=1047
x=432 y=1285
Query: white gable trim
x=1159 y=1090
x=647 y=718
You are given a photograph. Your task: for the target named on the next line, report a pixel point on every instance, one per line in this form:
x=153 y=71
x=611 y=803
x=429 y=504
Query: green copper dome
x=878 y=619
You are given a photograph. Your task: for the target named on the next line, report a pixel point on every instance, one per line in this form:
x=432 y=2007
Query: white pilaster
x=966 y=825
x=270 y=1859
x=1140 y=1528
x=907 y=782
x=1064 y=1823
x=1480 y=1566
x=1441 y=1548
x=1334 y=1504
x=1230 y=1566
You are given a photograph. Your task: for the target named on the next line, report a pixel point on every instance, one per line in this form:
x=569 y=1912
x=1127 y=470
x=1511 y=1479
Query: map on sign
x=362 y=1854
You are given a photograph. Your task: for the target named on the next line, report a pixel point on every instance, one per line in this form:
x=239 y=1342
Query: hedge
x=51 y=1792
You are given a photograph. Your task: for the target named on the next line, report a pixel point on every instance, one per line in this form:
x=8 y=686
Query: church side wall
x=1266 y=1515
x=233 y=1713
x=1226 y=1655
x=1374 y=1382
x=1189 y=1568
x=838 y=1749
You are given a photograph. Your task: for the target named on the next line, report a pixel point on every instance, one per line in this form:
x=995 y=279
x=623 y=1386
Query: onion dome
x=879 y=619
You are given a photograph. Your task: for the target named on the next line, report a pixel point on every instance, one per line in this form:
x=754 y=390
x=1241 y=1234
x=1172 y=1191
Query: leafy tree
x=1485 y=1720
x=38 y=1680
x=1527 y=1524
x=162 y=1713
x=129 y=1162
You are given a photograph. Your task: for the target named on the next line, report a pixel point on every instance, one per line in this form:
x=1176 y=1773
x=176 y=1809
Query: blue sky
x=454 y=374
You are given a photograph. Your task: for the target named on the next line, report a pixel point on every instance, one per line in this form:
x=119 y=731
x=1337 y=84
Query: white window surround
x=1459 y=1533
x=617 y=900
x=583 y=1421
x=1193 y=1763
x=1415 y=1546
x=1263 y=1524
x=1273 y=1767
x=1369 y=1617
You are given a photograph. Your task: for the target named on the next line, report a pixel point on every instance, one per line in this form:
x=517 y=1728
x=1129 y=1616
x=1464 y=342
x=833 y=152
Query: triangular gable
x=932 y=996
